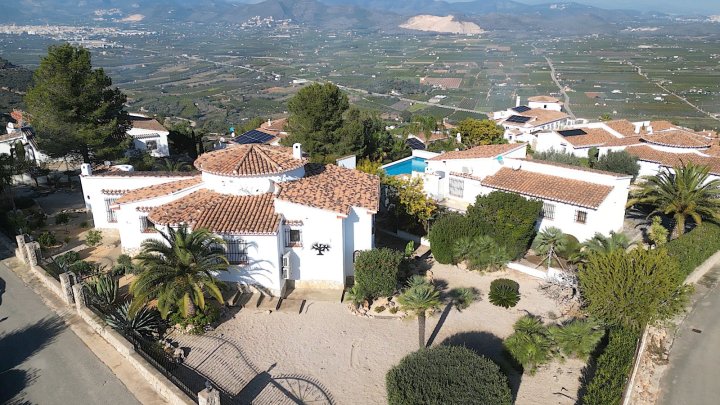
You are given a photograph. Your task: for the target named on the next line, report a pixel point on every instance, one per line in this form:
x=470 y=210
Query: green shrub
x=201 y=319
x=487 y=254
x=84 y=224
x=559 y=157
x=507 y=217
x=393 y=310
x=504 y=293
x=447 y=375
x=530 y=344
x=84 y=268
x=462 y=297
x=93 y=238
x=618 y=162
x=379 y=309
x=376 y=272
x=124 y=265
x=67 y=259
x=62 y=218
x=613 y=368
x=577 y=338
x=47 y=239
x=692 y=248
x=444 y=234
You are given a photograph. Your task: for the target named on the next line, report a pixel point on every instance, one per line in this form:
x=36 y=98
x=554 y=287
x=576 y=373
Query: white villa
x=149 y=135
x=522 y=122
x=21 y=131
x=286 y=222
x=579 y=201
x=656 y=144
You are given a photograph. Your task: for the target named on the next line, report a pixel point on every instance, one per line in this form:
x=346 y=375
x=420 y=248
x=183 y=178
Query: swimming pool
x=405 y=166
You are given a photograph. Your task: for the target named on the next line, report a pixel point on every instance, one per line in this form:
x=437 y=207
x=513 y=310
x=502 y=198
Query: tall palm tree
x=606 y=244
x=548 y=241
x=419 y=298
x=178 y=271
x=684 y=192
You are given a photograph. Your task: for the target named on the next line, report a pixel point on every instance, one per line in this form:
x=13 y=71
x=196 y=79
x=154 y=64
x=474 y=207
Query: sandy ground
x=350 y=355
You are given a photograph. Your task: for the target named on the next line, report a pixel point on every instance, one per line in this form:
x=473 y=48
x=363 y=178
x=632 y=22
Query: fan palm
x=606 y=244
x=529 y=345
x=418 y=299
x=487 y=254
x=178 y=271
x=548 y=241
x=169 y=165
x=577 y=338
x=686 y=191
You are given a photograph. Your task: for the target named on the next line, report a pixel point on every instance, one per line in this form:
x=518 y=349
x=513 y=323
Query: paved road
x=44 y=362
x=694 y=374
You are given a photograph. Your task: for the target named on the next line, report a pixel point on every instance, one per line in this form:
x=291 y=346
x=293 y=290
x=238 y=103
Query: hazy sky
x=706 y=7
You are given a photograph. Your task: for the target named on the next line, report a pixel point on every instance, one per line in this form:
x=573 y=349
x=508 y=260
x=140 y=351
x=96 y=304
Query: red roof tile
x=248 y=160
x=147 y=123
x=677 y=138
x=333 y=188
x=220 y=213
x=592 y=137
x=669 y=159
x=575 y=192
x=482 y=151
x=158 y=190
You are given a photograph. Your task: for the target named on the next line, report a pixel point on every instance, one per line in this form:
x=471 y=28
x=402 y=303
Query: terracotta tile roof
x=573 y=167
x=158 y=190
x=669 y=159
x=110 y=191
x=479 y=152
x=592 y=137
x=114 y=172
x=713 y=150
x=466 y=176
x=333 y=188
x=624 y=127
x=677 y=138
x=146 y=123
x=248 y=160
x=274 y=127
x=626 y=141
x=541 y=116
x=575 y=192
x=221 y=213
x=543 y=99
x=661 y=125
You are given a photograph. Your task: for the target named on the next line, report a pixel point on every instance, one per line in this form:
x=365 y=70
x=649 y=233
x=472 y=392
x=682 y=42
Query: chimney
x=297 y=151
x=517 y=101
x=85 y=169
x=458 y=138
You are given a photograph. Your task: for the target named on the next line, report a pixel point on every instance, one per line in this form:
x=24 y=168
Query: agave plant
x=462 y=249
x=103 y=290
x=530 y=344
x=577 y=338
x=144 y=322
x=462 y=297
x=504 y=293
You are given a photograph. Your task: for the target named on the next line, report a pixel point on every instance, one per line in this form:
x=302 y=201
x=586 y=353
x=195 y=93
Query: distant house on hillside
x=21 y=131
x=521 y=122
x=149 y=135
x=269 y=133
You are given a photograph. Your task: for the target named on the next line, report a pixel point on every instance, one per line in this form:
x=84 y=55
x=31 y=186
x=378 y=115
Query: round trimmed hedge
x=447 y=375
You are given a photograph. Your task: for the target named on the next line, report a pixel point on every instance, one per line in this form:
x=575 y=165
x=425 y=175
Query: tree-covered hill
x=14 y=81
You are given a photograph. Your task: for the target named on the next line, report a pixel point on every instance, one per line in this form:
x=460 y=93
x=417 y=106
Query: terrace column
x=66 y=287
x=21 y=252
x=79 y=294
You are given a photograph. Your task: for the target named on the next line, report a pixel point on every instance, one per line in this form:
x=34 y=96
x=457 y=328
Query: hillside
x=447 y=24
x=14 y=80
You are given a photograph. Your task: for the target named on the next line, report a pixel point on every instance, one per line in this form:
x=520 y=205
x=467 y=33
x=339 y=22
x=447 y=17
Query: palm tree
x=686 y=191
x=604 y=244
x=178 y=271
x=548 y=242
x=418 y=298
x=425 y=124
x=169 y=165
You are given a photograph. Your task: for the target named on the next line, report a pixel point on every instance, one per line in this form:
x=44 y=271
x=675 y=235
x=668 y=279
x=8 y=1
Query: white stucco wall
x=249 y=185
x=263 y=268
x=545 y=105
x=142 y=136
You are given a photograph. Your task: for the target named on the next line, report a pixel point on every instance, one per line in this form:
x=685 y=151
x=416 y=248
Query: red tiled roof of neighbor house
x=248 y=160
x=677 y=138
x=661 y=125
x=109 y=191
x=669 y=159
x=481 y=151
x=146 y=123
x=573 y=167
x=624 y=127
x=273 y=127
x=158 y=190
x=554 y=188
x=333 y=188
x=592 y=137
x=111 y=171
x=541 y=117
x=220 y=213
x=543 y=99
x=626 y=141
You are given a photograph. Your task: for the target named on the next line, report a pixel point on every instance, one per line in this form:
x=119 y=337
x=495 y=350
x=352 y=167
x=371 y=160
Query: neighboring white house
x=149 y=135
x=21 y=131
x=579 y=201
x=281 y=217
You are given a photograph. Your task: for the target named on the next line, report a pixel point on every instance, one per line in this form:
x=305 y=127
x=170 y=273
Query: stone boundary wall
x=643 y=386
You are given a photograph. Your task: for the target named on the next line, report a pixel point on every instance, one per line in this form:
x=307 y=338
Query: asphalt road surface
x=694 y=374
x=41 y=360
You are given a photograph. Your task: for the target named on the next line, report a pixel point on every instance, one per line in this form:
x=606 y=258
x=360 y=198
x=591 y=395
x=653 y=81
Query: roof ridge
x=265 y=156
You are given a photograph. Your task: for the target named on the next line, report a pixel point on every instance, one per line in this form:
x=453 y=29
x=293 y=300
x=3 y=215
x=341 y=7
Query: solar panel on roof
x=521 y=108
x=415 y=143
x=253 y=136
x=572 y=132
x=518 y=119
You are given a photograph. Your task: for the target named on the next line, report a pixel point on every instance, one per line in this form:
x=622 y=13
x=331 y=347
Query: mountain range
x=387 y=15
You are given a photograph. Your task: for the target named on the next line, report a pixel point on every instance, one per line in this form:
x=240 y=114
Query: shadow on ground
x=17 y=346
x=488 y=345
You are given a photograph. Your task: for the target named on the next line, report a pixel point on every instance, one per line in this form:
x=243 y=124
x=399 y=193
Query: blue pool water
x=416 y=164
